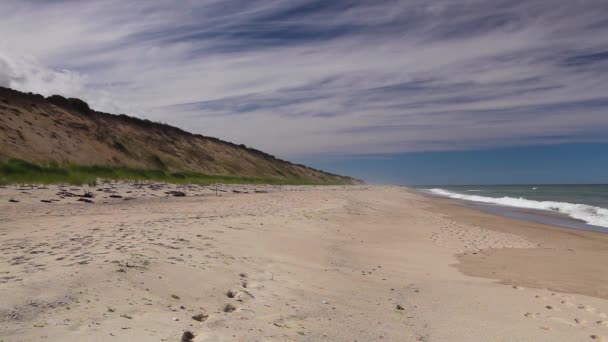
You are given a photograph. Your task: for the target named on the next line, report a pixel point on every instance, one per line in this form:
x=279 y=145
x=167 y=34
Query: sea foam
x=592 y=215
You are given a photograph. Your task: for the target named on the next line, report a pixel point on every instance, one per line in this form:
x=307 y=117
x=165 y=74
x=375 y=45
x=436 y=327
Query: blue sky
x=317 y=80
x=548 y=164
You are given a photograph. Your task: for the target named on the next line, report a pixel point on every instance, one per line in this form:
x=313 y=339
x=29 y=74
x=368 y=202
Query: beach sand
x=269 y=263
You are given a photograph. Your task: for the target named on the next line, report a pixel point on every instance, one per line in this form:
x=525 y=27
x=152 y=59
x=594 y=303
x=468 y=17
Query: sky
x=541 y=164
x=335 y=83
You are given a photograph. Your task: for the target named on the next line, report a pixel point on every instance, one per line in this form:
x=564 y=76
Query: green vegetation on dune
x=17 y=171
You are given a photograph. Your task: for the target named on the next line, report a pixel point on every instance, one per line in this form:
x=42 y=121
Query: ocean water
x=588 y=203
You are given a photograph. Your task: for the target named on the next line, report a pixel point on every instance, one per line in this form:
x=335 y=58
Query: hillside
x=66 y=131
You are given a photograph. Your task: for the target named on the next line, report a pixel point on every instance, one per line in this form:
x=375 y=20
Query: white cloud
x=457 y=74
x=28 y=75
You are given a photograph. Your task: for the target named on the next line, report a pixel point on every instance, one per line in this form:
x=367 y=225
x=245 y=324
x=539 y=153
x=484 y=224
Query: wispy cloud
x=308 y=77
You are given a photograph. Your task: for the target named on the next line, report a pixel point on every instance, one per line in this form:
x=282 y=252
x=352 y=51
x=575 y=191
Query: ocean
x=586 y=203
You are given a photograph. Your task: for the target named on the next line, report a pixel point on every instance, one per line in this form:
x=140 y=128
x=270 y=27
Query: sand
x=269 y=263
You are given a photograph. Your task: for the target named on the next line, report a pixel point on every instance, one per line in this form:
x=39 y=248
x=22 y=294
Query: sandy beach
x=150 y=262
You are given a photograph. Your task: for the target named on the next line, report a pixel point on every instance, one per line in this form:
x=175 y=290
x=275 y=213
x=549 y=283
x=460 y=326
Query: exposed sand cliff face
x=41 y=130
x=288 y=264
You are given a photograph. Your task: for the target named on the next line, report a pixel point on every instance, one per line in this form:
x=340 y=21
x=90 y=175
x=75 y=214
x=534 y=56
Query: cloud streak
x=310 y=77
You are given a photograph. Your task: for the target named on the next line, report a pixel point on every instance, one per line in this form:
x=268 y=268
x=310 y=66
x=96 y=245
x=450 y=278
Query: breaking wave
x=592 y=215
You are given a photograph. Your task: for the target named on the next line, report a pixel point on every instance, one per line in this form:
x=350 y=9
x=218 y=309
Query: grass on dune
x=17 y=171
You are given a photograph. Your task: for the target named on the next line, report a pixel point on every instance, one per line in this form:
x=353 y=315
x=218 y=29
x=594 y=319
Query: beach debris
x=325 y=302
x=187 y=336
x=174 y=296
x=85 y=200
x=201 y=317
x=65 y=193
x=176 y=193
x=88 y=194
x=13 y=200
x=230 y=294
x=175 y=319
x=400 y=307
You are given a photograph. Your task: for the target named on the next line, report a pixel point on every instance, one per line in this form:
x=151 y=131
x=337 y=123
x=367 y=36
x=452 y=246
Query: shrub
x=71 y=103
x=79 y=105
x=120 y=147
x=59 y=100
x=16 y=171
x=158 y=162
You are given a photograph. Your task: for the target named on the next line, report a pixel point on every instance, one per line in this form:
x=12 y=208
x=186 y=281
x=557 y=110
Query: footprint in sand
x=602 y=323
x=586 y=308
x=228 y=308
x=567 y=303
x=531 y=315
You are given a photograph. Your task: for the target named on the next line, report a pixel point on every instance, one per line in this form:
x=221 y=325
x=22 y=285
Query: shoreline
x=576 y=253
x=292 y=263
x=547 y=217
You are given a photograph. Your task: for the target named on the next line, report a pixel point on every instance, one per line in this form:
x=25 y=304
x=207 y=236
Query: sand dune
x=258 y=263
x=66 y=131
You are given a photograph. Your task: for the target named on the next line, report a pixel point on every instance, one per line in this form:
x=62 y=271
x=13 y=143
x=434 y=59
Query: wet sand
x=565 y=259
x=259 y=263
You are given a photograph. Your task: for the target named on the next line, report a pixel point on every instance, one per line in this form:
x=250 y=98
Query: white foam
x=592 y=215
